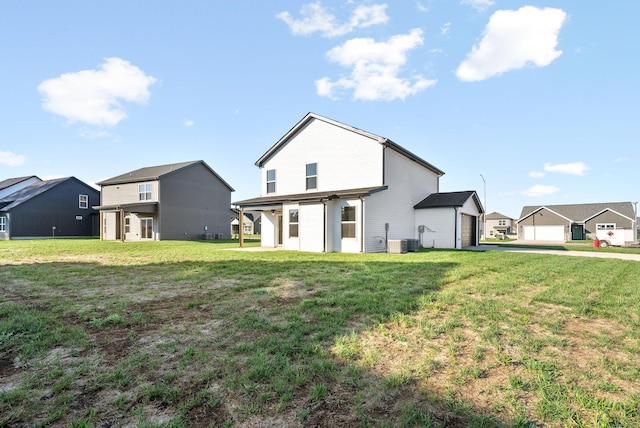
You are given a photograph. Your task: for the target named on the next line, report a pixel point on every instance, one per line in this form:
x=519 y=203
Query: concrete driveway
x=513 y=246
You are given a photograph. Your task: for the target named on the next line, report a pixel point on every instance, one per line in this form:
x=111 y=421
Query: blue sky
x=541 y=99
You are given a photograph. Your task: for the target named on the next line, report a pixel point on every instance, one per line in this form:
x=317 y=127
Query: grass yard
x=190 y=334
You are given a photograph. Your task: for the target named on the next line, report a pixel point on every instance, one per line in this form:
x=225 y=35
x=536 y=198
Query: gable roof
x=313 y=116
x=155 y=173
x=449 y=199
x=581 y=212
x=12 y=181
x=16 y=198
x=497 y=216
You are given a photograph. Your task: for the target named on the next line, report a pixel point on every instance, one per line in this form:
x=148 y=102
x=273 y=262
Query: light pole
x=484 y=216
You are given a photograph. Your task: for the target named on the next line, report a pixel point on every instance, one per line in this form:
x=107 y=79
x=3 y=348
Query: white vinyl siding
x=311 y=227
x=348 y=160
x=409 y=183
x=440 y=227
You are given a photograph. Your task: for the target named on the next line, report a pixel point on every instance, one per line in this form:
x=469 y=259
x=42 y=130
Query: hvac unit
x=413 y=245
x=397 y=246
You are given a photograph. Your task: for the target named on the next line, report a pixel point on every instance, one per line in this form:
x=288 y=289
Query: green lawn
x=183 y=334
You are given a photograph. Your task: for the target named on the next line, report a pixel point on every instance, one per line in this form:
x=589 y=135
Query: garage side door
x=468 y=230
x=544 y=233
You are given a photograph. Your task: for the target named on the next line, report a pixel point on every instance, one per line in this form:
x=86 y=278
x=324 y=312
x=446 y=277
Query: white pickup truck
x=615 y=237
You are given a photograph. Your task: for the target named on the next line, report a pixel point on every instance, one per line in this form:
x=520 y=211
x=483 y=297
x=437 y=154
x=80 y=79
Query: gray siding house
x=180 y=201
x=50 y=208
x=572 y=222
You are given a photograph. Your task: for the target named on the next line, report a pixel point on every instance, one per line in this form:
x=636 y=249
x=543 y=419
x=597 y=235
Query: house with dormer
x=330 y=187
x=179 y=201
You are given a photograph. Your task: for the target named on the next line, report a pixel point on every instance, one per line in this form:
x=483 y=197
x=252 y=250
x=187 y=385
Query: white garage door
x=544 y=233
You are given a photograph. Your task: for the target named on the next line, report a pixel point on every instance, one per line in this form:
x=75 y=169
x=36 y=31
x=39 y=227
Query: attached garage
x=543 y=233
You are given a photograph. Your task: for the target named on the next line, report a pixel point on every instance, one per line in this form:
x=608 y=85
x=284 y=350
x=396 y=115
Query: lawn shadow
x=259 y=339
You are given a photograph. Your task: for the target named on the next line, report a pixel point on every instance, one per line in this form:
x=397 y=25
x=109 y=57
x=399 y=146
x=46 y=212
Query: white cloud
x=93 y=134
x=620 y=159
x=514 y=39
x=479 y=5
x=536 y=174
x=540 y=190
x=11 y=159
x=445 y=29
x=315 y=18
x=576 y=168
x=93 y=96
x=188 y=123
x=375 y=68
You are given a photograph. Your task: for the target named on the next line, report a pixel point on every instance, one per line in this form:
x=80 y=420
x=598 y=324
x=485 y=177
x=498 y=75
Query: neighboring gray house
x=51 y=208
x=11 y=185
x=573 y=222
x=499 y=224
x=330 y=187
x=179 y=201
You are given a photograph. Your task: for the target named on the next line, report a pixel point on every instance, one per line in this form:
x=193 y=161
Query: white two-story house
x=330 y=187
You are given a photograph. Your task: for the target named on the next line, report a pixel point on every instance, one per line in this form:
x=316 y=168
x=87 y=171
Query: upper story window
x=144 y=192
x=348 y=216
x=83 y=201
x=502 y=222
x=293 y=223
x=3 y=224
x=271 y=181
x=312 y=176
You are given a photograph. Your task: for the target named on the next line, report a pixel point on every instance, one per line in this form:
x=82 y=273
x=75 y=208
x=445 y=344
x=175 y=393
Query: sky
x=527 y=103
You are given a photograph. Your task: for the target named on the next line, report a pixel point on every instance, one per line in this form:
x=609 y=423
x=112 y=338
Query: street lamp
x=484 y=216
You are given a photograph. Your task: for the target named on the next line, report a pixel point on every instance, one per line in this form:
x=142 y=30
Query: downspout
x=324 y=226
x=101 y=225
x=361 y=224
x=241 y=228
x=455 y=228
x=122 y=238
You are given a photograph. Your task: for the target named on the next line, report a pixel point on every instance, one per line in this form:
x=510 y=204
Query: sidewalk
x=513 y=247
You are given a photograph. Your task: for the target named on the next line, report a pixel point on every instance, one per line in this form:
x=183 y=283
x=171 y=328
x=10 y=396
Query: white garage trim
x=544 y=233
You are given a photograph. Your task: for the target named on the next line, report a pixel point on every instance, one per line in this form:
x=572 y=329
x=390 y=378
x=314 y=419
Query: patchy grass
x=198 y=334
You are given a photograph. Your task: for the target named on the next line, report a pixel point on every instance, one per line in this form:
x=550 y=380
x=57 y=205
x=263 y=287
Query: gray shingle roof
x=315 y=196
x=448 y=199
x=16 y=198
x=582 y=212
x=11 y=181
x=154 y=173
x=497 y=216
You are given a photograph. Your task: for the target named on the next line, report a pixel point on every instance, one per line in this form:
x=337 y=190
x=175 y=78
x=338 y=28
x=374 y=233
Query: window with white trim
x=605 y=226
x=348 y=222
x=144 y=192
x=502 y=222
x=271 y=181
x=127 y=224
x=83 y=202
x=312 y=176
x=3 y=224
x=293 y=223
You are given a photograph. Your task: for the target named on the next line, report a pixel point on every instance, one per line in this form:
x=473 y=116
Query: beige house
x=499 y=225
